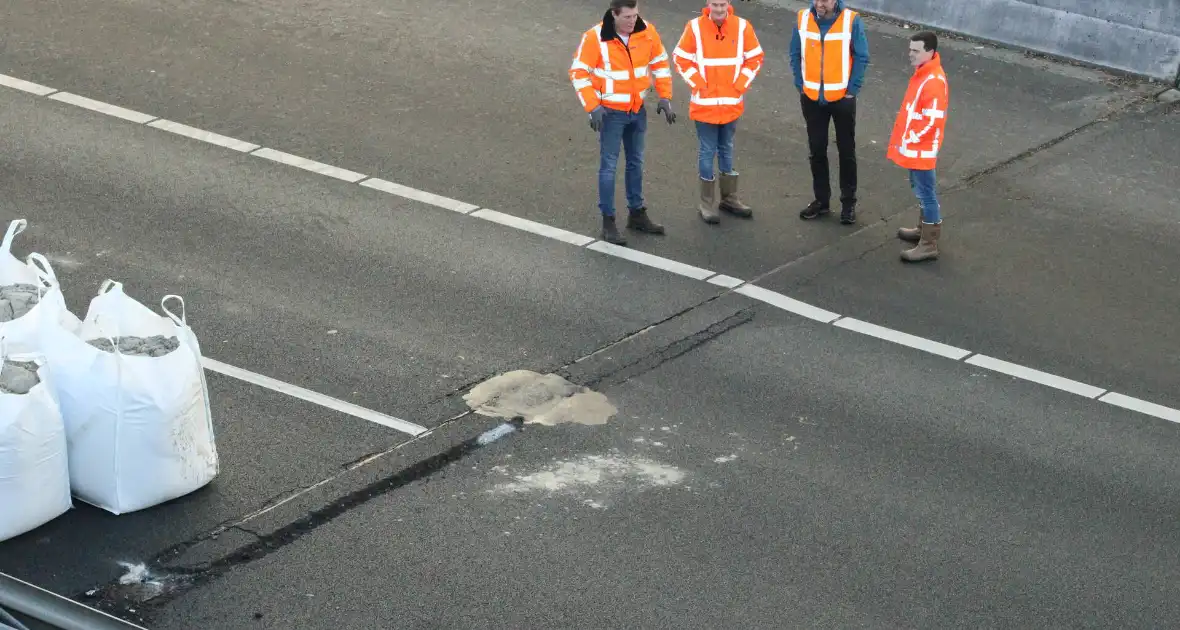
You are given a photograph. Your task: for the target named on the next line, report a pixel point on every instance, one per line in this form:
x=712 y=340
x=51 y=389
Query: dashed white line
x=787 y=304
x=1142 y=406
x=905 y=339
x=205 y=136
x=1036 y=376
x=532 y=226
x=419 y=195
x=309 y=165
x=739 y=286
x=651 y=260
x=25 y=86
x=322 y=400
x=728 y=282
x=99 y=106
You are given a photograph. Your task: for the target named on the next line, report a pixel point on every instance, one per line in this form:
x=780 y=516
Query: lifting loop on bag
x=16 y=227
x=179 y=321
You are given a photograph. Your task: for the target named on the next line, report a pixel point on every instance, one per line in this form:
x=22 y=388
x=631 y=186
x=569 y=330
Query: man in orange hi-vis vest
x=613 y=70
x=918 y=133
x=718 y=56
x=829 y=55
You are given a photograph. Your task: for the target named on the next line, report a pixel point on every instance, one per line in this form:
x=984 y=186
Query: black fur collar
x=608 y=26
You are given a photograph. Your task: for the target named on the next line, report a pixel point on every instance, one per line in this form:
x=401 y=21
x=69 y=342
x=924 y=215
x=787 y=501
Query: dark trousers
x=842 y=114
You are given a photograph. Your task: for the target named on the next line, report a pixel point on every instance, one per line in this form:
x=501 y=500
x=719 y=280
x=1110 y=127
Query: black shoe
x=610 y=233
x=814 y=209
x=639 y=221
x=848 y=215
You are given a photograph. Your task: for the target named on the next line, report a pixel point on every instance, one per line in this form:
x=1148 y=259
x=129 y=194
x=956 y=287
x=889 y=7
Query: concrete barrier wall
x=1137 y=36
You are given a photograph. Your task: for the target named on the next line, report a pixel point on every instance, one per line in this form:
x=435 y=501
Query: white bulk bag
x=49 y=316
x=140 y=430
x=34 y=469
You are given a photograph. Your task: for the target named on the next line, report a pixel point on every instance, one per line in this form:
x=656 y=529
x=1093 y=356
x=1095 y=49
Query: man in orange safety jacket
x=918 y=134
x=718 y=56
x=613 y=69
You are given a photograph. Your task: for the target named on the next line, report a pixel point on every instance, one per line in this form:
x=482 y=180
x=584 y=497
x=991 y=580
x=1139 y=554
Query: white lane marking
x=313 y=397
x=532 y=226
x=1142 y=406
x=1036 y=376
x=201 y=134
x=764 y=295
x=787 y=304
x=101 y=107
x=728 y=282
x=419 y=195
x=905 y=339
x=651 y=260
x=310 y=165
x=25 y=86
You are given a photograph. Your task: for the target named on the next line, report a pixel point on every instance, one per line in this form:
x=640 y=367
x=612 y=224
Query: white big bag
x=140 y=430
x=34 y=469
x=49 y=316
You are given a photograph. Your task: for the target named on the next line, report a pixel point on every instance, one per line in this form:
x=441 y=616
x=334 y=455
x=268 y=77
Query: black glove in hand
x=596 y=116
x=665 y=107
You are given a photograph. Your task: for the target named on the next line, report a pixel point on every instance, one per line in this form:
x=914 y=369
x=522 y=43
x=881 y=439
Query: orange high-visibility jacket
x=920 y=127
x=828 y=59
x=718 y=63
x=607 y=72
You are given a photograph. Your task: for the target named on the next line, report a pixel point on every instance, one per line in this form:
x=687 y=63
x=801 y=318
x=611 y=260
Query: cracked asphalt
x=763 y=470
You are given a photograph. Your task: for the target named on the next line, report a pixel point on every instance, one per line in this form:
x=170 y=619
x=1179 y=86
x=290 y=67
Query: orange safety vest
x=918 y=131
x=826 y=60
x=718 y=63
x=607 y=72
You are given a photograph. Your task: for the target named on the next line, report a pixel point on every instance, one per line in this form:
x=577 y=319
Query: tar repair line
x=736 y=285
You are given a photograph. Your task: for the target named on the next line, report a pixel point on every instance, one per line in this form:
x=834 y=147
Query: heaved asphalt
x=873 y=485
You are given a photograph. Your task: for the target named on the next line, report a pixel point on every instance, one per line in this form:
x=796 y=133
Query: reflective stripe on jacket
x=826 y=59
x=718 y=63
x=920 y=126
x=607 y=72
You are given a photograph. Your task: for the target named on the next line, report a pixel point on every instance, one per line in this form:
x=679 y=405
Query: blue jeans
x=626 y=129
x=923 y=184
x=715 y=141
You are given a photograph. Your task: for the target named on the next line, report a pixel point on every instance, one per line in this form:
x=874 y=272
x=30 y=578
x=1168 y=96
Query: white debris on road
x=593 y=473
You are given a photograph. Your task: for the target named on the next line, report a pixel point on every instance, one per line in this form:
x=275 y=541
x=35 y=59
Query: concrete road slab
x=1064 y=262
x=346 y=290
x=783 y=473
x=345 y=83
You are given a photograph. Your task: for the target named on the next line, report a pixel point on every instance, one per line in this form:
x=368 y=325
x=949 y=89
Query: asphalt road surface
x=770 y=464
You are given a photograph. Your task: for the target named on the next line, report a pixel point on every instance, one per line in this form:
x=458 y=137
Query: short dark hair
x=928 y=39
x=619 y=5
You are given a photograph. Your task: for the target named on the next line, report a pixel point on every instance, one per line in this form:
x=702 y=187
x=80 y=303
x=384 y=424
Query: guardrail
x=50 y=608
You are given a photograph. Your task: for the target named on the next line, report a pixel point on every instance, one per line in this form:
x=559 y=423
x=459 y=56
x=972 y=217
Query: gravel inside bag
x=154 y=346
x=17 y=299
x=18 y=377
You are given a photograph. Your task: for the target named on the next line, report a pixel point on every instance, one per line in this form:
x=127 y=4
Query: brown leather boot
x=927 y=247
x=730 y=202
x=708 y=197
x=914 y=233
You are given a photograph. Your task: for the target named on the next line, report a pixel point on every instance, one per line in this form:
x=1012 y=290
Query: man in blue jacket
x=829 y=56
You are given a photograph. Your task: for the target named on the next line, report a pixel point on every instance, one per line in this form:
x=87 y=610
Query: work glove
x=665 y=107
x=596 y=116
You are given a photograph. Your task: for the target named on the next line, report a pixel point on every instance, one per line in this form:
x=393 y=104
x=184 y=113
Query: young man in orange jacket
x=613 y=69
x=918 y=134
x=718 y=56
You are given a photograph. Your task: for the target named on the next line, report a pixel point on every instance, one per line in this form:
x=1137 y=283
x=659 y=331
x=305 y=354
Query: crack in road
x=119 y=600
